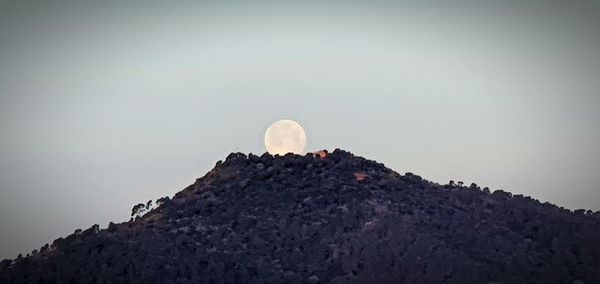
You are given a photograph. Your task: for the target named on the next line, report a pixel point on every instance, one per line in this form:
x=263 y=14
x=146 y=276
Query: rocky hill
x=326 y=218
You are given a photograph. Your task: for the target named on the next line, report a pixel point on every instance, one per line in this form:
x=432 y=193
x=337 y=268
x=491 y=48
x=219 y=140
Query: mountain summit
x=326 y=218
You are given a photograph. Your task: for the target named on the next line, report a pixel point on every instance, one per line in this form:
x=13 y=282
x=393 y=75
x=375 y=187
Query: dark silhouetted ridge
x=326 y=218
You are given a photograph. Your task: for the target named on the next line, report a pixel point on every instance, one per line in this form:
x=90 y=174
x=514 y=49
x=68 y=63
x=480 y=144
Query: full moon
x=285 y=136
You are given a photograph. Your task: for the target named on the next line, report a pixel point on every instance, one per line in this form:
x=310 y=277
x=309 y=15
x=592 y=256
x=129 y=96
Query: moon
x=285 y=136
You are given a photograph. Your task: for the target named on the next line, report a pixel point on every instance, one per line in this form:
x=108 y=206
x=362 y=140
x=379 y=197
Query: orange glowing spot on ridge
x=320 y=154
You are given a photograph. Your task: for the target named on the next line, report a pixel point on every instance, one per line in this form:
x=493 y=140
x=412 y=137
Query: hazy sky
x=106 y=105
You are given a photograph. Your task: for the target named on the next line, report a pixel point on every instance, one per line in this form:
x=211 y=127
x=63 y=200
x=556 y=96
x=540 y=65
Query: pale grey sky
x=106 y=105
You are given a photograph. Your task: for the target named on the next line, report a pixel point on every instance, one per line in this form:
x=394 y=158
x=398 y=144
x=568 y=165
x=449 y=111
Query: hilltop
x=326 y=218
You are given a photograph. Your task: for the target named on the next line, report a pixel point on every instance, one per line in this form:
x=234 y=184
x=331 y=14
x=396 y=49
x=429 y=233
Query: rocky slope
x=326 y=218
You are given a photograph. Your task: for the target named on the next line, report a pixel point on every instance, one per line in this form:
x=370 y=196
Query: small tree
x=137 y=210
x=162 y=200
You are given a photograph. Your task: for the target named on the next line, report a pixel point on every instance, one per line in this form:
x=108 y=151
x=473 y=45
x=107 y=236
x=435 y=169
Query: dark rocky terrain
x=333 y=218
